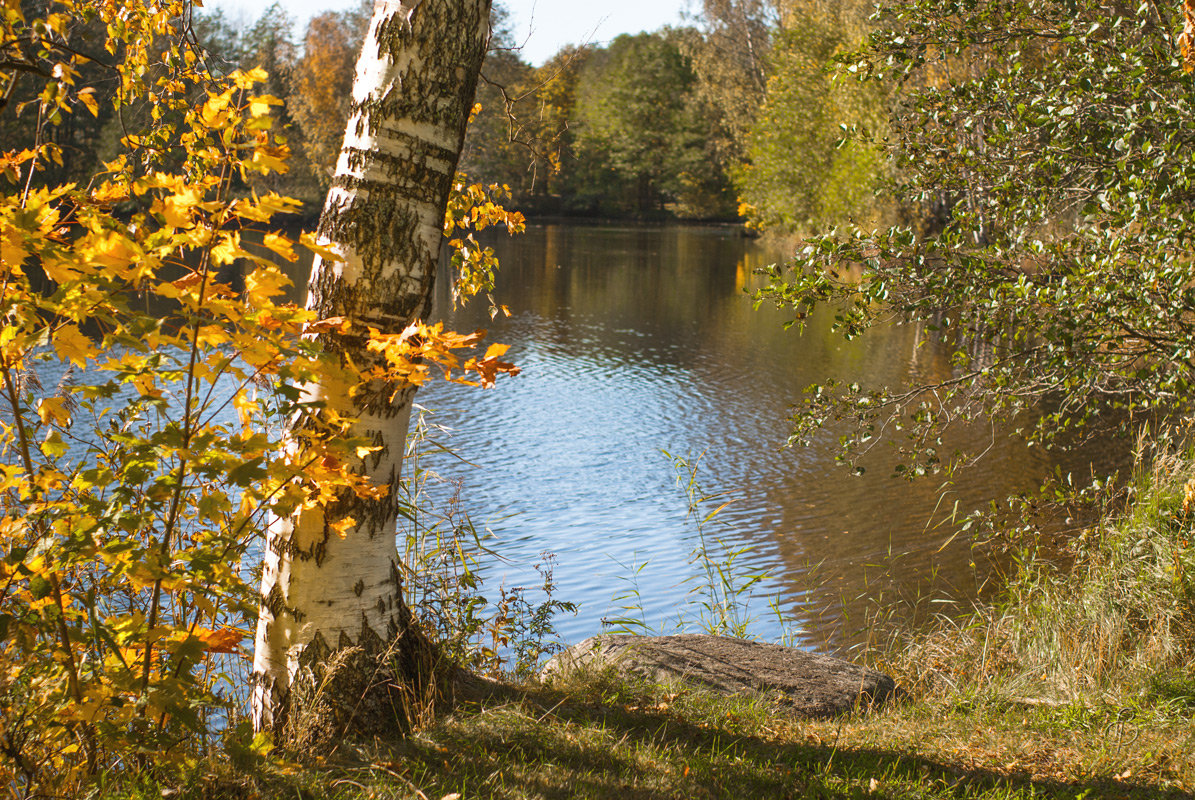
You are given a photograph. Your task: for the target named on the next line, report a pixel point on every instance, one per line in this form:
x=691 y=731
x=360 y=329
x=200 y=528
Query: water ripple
x=635 y=341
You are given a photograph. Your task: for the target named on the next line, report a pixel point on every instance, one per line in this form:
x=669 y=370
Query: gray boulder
x=806 y=684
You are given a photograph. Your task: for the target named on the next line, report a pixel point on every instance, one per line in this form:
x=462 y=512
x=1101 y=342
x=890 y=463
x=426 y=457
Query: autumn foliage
x=321 y=86
x=148 y=363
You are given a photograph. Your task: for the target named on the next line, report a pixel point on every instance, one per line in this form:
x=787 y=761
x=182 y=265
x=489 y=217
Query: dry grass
x=1109 y=631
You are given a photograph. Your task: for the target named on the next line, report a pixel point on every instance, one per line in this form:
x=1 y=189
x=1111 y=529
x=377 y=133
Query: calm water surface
x=634 y=341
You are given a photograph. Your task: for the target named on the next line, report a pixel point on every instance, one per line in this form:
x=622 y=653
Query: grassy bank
x=604 y=740
x=1076 y=684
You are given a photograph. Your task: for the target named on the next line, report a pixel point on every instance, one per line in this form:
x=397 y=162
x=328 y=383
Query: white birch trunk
x=323 y=595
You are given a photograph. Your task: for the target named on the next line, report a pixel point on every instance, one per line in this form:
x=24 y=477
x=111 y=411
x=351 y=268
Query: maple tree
x=147 y=360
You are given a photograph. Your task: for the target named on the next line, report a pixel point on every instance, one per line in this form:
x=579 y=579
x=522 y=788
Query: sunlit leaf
x=73 y=345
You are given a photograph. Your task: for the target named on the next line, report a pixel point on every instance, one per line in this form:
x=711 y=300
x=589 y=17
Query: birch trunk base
x=363 y=690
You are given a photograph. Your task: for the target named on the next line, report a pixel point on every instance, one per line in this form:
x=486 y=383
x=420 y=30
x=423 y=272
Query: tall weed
x=718 y=596
x=1117 y=621
x=443 y=554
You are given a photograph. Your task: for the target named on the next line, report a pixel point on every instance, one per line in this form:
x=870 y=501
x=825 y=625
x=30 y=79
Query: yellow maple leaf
x=221 y=640
x=281 y=245
x=341 y=526
x=12 y=251
x=266 y=282
x=244 y=79
x=324 y=251
x=269 y=159
x=245 y=407
x=111 y=250
x=146 y=387
x=178 y=209
x=72 y=345
x=55 y=410
x=229 y=249
x=108 y=192
x=215 y=109
x=259 y=106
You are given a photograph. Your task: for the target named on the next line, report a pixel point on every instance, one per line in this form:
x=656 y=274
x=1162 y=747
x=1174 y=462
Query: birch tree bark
x=334 y=644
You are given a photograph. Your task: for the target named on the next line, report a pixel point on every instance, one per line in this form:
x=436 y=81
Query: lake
x=639 y=345
x=634 y=341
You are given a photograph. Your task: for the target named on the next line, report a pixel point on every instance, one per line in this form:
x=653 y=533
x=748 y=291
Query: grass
x=1115 y=628
x=599 y=738
x=1077 y=683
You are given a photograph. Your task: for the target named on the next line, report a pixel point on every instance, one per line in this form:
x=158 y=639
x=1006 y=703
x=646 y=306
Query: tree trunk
x=334 y=643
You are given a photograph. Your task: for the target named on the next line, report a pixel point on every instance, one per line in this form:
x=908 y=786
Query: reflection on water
x=638 y=340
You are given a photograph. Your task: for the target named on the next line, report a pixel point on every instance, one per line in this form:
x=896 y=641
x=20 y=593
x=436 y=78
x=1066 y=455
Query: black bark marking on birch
x=417 y=151
x=384 y=399
x=281 y=545
x=373 y=227
x=315 y=552
x=275 y=603
x=383 y=450
x=396 y=578
x=320 y=548
x=376 y=515
x=425 y=188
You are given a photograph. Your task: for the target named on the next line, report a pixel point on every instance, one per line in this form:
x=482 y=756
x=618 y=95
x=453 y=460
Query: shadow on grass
x=538 y=743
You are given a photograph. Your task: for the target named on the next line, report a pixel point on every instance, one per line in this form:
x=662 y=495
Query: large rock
x=808 y=684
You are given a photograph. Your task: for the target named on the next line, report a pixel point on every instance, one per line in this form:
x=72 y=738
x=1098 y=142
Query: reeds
x=1113 y=623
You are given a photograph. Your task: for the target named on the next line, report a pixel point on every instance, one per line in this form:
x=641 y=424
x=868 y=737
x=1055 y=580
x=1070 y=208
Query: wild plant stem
x=189 y=396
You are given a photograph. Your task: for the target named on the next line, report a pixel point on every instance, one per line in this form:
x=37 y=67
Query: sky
x=541 y=26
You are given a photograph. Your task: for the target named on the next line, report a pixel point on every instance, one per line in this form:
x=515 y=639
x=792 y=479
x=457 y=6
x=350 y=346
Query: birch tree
x=335 y=645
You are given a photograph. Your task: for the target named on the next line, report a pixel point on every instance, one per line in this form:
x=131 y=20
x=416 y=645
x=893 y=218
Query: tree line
x=620 y=130
x=734 y=116
x=737 y=115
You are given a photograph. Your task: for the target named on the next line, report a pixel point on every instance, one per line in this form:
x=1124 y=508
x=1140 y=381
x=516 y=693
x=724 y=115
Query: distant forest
x=733 y=117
